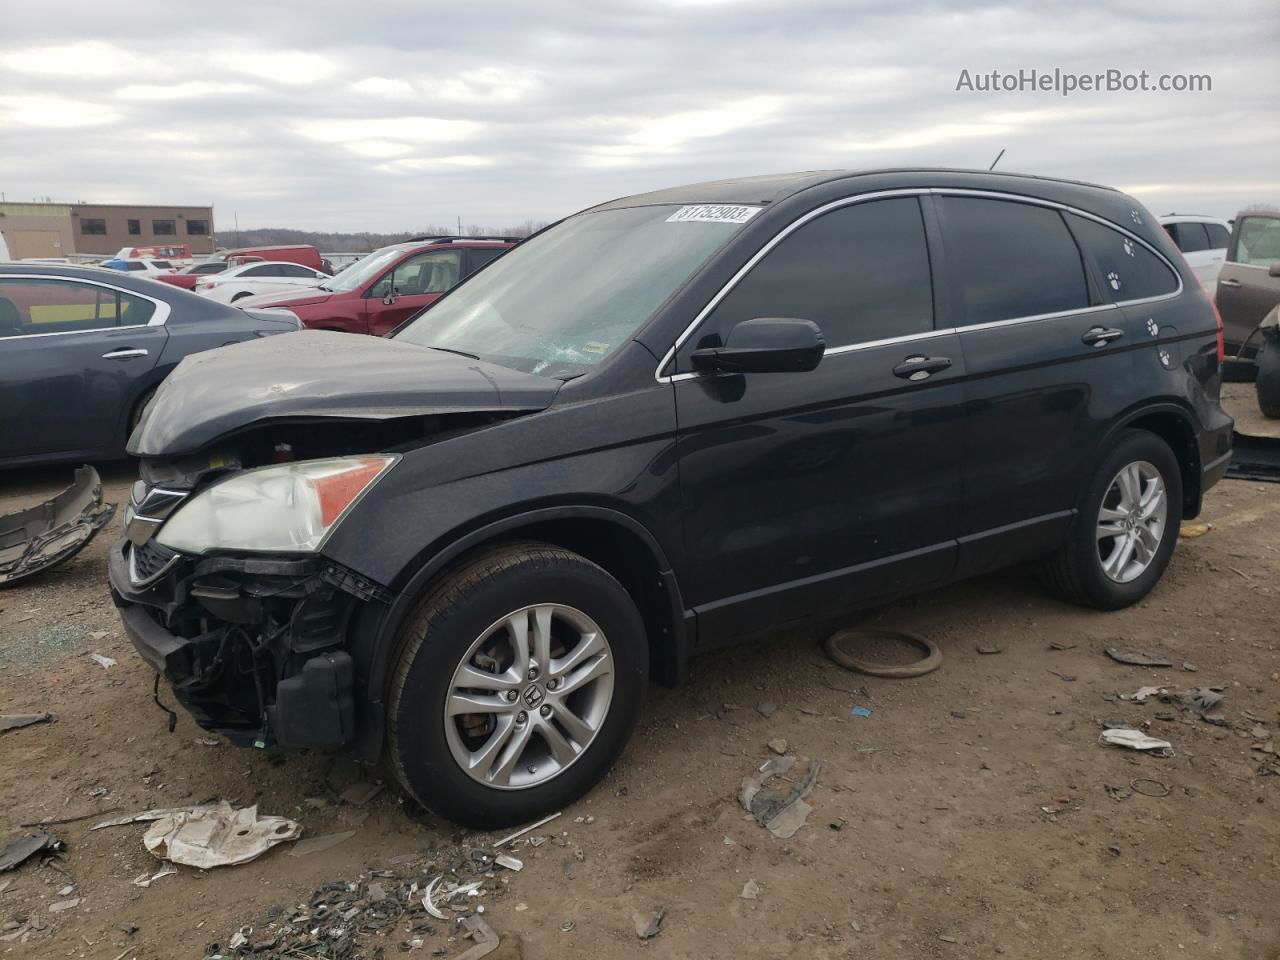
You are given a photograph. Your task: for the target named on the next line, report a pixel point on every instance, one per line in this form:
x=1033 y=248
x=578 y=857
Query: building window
x=135 y=228
x=197 y=228
x=93 y=226
x=164 y=228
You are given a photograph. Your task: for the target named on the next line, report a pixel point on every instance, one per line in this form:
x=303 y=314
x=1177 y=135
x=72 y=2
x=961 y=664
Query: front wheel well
x=1174 y=430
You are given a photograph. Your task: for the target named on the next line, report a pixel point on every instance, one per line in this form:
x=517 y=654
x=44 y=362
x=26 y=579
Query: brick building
x=100 y=229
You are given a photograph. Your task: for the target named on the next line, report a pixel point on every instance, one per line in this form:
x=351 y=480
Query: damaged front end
x=45 y=535
x=253 y=645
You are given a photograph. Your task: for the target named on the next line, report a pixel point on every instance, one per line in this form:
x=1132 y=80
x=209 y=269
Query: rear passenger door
x=1048 y=369
x=806 y=494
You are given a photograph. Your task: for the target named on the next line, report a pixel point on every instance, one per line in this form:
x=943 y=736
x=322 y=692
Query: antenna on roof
x=996 y=160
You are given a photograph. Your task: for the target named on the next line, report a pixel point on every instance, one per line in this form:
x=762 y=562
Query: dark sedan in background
x=82 y=350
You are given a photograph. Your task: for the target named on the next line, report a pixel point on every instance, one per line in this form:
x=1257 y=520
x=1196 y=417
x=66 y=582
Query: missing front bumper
x=251 y=648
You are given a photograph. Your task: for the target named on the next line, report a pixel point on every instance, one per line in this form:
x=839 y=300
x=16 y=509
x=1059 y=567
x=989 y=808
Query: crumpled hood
x=289 y=298
x=318 y=374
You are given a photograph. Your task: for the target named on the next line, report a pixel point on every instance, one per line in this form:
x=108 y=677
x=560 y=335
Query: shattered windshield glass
x=561 y=302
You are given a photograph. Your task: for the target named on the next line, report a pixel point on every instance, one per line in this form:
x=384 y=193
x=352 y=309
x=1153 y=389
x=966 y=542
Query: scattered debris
x=648 y=924
x=1190 y=667
x=49 y=533
x=767 y=709
x=523 y=830
x=1069 y=678
x=431 y=900
x=838 y=647
x=16 y=721
x=1117 y=793
x=1200 y=700
x=1142 y=694
x=1136 y=740
x=106 y=663
x=17 y=852
x=147 y=879
x=486 y=940
x=217 y=835
x=1189 y=531
x=1059 y=645
x=1137 y=658
x=312 y=845
x=567 y=926
x=778 y=745
x=1150 y=788
x=358 y=794
x=511 y=863
x=989 y=649
x=62 y=905
x=861 y=711
x=781 y=812
x=750 y=891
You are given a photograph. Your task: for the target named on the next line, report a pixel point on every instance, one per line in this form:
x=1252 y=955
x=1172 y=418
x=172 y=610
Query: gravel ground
x=974 y=813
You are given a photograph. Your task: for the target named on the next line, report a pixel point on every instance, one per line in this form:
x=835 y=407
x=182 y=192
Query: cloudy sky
x=390 y=114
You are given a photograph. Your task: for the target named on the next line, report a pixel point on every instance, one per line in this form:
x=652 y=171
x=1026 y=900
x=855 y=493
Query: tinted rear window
x=1128 y=270
x=1219 y=236
x=1189 y=237
x=1011 y=260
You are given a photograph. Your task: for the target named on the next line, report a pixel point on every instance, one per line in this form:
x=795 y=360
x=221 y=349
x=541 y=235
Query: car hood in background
x=300 y=297
x=317 y=374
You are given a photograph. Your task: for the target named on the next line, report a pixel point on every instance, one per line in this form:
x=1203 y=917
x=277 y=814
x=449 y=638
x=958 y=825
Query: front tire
x=1126 y=527
x=520 y=679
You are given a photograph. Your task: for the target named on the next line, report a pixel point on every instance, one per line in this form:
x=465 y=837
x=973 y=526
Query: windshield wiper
x=461 y=353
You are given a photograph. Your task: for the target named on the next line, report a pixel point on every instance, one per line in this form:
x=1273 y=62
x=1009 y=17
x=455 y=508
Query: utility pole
x=459 y=225
x=236 y=215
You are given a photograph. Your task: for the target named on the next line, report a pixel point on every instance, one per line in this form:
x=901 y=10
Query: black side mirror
x=1275 y=270
x=765 y=345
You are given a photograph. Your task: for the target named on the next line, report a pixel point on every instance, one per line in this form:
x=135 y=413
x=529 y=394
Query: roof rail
x=431 y=239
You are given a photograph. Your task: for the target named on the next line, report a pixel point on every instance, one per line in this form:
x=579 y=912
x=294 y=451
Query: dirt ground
x=972 y=806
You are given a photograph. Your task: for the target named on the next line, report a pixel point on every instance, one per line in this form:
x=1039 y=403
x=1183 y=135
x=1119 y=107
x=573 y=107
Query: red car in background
x=186 y=277
x=378 y=293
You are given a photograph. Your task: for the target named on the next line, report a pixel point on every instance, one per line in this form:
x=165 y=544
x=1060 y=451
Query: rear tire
x=507 y=764
x=1268 y=383
x=1079 y=571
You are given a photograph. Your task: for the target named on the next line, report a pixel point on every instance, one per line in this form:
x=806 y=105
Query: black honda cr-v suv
x=667 y=423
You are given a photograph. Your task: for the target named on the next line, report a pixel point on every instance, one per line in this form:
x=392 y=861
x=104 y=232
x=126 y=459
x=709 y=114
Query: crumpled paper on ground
x=217 y=835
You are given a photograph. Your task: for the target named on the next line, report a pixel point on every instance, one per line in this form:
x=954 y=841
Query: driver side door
x=409 y=286
x=808 y=494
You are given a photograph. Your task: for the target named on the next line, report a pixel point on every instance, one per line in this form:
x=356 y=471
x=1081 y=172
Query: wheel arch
x=1174 y=425
x=614 y=540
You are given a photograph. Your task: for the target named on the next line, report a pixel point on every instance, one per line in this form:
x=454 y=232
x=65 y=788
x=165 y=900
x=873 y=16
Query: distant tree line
x=361 y=242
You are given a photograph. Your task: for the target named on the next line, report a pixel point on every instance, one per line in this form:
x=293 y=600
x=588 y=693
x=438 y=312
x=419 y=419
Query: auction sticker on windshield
x=713 y=213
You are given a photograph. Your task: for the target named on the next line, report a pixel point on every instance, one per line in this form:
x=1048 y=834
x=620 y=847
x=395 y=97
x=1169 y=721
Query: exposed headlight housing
x=290 y=508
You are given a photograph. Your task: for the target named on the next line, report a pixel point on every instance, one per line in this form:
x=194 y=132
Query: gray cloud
x=389 y=115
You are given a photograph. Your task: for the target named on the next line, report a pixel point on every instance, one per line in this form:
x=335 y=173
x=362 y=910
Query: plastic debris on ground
x=648 y=924
x=16 y=721
x=106 y=663
x=317 y=844
x=148 y=878
x=750 y=891
x=216 y=835
x=1137 y=658
x=861 y=712
x=1137 y=740
x=781 y=811
x=18 y=852
x=1189 y=531
x=52 y=532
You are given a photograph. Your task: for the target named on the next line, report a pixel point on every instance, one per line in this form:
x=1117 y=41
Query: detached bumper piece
x=251 y=647
x=45 y=535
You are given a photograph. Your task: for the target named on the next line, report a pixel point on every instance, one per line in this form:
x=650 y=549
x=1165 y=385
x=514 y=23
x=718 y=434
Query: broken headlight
x=288 y=508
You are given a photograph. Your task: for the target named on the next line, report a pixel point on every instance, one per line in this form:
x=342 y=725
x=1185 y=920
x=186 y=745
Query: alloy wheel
x=1131 y=521
x=529 y=696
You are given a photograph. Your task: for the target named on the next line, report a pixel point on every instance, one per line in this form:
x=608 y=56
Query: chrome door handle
x=126 y=353
x=920 y=367
x=1229 y=282
x=1101 y=336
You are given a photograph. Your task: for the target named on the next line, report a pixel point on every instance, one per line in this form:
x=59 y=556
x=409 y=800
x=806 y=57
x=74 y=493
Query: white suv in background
x=1203 y=241
x=251 y=279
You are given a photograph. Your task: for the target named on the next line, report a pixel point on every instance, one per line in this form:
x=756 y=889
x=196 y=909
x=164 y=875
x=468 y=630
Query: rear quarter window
x=1126 y=269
